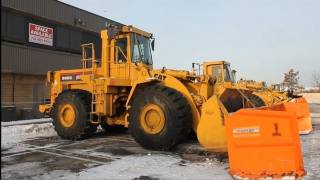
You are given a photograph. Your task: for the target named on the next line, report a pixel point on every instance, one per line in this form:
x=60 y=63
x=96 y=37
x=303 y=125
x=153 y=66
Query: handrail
x=86 y=59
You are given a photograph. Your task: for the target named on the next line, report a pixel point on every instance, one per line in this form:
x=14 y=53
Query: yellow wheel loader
x=267 y=94
x=257 y=93
x=161 y=107
x=232 y=93
x=260 y=94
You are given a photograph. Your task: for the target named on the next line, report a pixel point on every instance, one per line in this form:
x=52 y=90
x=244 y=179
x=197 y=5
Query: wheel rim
x=152 y=119
x=67 y=115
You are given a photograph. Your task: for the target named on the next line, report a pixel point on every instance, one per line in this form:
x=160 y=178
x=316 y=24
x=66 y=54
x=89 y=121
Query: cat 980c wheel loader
x=161 y=107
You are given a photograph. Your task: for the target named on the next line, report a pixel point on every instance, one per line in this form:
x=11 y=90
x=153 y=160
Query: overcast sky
x=261 y=38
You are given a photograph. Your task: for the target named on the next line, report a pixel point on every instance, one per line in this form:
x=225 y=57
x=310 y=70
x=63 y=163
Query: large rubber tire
x=177 y=113
x=81 y=127
x=256 y=100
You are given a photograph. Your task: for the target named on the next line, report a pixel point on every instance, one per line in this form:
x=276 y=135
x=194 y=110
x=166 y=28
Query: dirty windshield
x=141 y=49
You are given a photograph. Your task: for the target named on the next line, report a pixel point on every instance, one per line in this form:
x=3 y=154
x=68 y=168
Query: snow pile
x=312 y=97
x=154 y=166
x=14 y=134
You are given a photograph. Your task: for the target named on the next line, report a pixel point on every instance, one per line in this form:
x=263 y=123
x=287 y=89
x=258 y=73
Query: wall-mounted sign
x=40 y=34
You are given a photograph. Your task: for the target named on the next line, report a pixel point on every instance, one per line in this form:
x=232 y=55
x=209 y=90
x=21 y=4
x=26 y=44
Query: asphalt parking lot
x=37 y=158
x=118 y=156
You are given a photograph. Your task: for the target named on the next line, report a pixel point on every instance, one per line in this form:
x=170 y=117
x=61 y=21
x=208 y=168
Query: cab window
x=216 y=72
x=121 y=50
x=141 y=49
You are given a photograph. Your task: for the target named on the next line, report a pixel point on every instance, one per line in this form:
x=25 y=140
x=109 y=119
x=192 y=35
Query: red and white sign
x=40 y=34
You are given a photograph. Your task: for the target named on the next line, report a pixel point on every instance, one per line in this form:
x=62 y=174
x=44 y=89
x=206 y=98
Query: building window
x=75 y=41
x=16 y=28
x=63 y=38
x=3 y=24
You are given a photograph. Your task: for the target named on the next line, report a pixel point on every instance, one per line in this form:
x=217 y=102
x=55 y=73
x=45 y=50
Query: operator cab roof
x=216 y=62
x=122 y=29
x=130 y=28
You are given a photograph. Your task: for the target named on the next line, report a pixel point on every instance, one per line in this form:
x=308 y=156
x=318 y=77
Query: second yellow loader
x=257 y=94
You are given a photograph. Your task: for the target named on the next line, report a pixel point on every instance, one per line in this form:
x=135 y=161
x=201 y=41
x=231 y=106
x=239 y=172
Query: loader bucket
x=211 y=130
x=264 y=143
x=301 y=109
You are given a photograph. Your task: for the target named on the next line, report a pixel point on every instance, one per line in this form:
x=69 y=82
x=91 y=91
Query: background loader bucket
x=300 y=108
x=211 y=130
x=264 y=143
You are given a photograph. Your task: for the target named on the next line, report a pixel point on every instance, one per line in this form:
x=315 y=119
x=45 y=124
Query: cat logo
x=160 y=77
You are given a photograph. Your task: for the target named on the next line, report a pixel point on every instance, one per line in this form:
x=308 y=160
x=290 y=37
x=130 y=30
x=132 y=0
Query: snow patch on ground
x=14 y=134
x=29 y=168
x=311 y=152
x=154 y=166
x=24 y=122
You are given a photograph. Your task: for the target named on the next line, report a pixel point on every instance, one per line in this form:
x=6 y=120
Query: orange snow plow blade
x=264 y=143
x=300 y=108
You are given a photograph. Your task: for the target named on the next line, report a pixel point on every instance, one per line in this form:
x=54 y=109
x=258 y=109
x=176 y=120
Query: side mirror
x=152 y=44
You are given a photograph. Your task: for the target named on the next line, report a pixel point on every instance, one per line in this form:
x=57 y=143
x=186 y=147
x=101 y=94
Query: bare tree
x=291 y=79
x=316 y=79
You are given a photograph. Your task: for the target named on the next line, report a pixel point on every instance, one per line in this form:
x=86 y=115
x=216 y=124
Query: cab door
x=119 y=65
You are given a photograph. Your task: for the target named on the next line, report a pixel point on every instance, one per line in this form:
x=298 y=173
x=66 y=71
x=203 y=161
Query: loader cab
x=220 y=70
x=132 y=48
x=127 y=49
x=132 y=45
x=275 y=87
